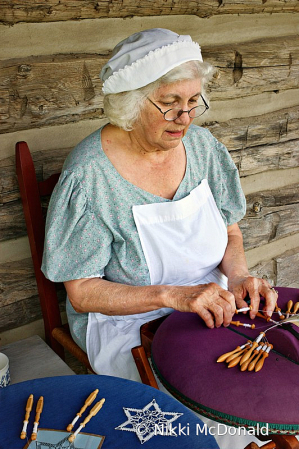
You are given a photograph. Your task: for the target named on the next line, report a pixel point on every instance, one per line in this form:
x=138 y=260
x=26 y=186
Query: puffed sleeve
x=76 y=245
x=233 y=202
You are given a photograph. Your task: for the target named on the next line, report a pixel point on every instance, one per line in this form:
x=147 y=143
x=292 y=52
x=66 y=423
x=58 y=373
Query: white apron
x=183 y=242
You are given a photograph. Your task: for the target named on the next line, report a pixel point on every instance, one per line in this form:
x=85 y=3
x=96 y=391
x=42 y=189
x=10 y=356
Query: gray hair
x=123 y=109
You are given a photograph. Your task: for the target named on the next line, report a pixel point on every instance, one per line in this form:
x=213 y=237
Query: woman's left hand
x=242 y=286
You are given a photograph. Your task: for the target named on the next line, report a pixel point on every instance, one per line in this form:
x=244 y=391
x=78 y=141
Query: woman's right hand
x=212 y=303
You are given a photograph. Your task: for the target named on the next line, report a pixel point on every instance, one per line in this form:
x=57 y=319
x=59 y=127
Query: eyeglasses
x=175 y=113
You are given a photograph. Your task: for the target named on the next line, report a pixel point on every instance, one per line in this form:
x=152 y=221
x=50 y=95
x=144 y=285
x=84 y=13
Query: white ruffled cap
x=144 y=57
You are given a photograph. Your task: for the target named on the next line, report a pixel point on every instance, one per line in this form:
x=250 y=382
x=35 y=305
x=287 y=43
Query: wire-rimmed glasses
x=175 y=113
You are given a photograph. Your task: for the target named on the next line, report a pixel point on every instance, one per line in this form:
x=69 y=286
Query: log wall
x=50 y=96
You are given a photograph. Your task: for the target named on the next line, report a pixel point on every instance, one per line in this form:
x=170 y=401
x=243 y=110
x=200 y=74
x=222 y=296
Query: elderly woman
x=144 y=217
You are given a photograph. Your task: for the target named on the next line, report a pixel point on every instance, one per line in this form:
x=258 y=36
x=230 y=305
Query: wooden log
x=42 y=91
x=281 y=270
x=17 y=281
x=12 y=221
x=246 y=68
x=19 y=313
x=266 y=52
x=47 y=91
x=267 y=157
x=270 y=215
x=40 y=11
x=46 y=163
x=19 y=301
x=274 y=127
x=287 y=266
x=252 y=81
x=265 y=270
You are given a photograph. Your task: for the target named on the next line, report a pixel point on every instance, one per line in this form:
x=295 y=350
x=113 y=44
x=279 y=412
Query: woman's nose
x=183 y=118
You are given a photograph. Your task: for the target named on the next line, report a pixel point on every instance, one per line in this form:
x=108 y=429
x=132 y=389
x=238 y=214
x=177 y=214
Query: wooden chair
x=57 y=335
x=142 y=352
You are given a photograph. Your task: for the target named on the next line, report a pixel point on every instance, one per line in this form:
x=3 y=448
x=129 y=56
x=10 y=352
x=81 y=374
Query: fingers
x=222 y=313
x=270 y=295
x=217 y=306
x=257 y=287
x=207 y=317
x=254 y=294
x=240 y=302
x=228 y=307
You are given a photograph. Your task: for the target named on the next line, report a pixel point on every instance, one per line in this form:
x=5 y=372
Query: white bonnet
x=144 y=57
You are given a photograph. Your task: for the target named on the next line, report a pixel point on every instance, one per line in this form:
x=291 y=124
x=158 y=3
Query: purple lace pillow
x=184 y=355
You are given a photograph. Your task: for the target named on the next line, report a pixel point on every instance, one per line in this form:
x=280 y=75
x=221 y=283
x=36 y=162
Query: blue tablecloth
x=64 y=396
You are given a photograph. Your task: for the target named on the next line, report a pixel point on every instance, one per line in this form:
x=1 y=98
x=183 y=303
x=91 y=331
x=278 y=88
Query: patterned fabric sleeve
x=233 y=202
x=74 y=247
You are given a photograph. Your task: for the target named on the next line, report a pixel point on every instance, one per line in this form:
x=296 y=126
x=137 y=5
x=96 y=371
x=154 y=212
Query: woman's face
x=154 y=131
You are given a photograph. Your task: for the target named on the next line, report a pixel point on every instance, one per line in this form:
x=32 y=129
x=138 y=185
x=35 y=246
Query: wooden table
x=32 y=358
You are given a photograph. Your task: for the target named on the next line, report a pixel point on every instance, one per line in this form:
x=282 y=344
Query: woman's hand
x=212 y=303
x=242 y=286
x=240 y=283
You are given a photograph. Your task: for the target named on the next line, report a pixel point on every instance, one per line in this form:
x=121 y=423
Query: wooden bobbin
x=244 y=309
x=39 y=409
x=267 y=318
x=234 y=356
x=289 y=306
x=235 y=361
x=247 y=355
x=87 y=402
x=253 y=347
x=260 y=363
x=92 y=413
x=238 y=323
x=261 y=315
x=27 y=414
x=244 y=365
x=278 y=310
x=252 y=364
x=296 y=308
x=223 y=357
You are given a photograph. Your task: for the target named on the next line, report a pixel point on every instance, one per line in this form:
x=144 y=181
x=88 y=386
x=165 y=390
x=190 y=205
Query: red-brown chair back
x=31 y=191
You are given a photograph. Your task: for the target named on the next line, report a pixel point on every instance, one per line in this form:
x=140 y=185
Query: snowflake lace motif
x=144 y=422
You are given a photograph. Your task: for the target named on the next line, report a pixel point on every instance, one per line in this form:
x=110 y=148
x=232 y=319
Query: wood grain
x=253 y=67
x=18 y=295
x=266 y=129
x=287 y=268
x=16 y=11
x=46 y=91
x=271 y=215
x=267 y=157
x=51 y=90
x=281 y=271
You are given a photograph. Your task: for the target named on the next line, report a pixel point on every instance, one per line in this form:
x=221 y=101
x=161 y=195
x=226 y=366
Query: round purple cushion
x=184 y=354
